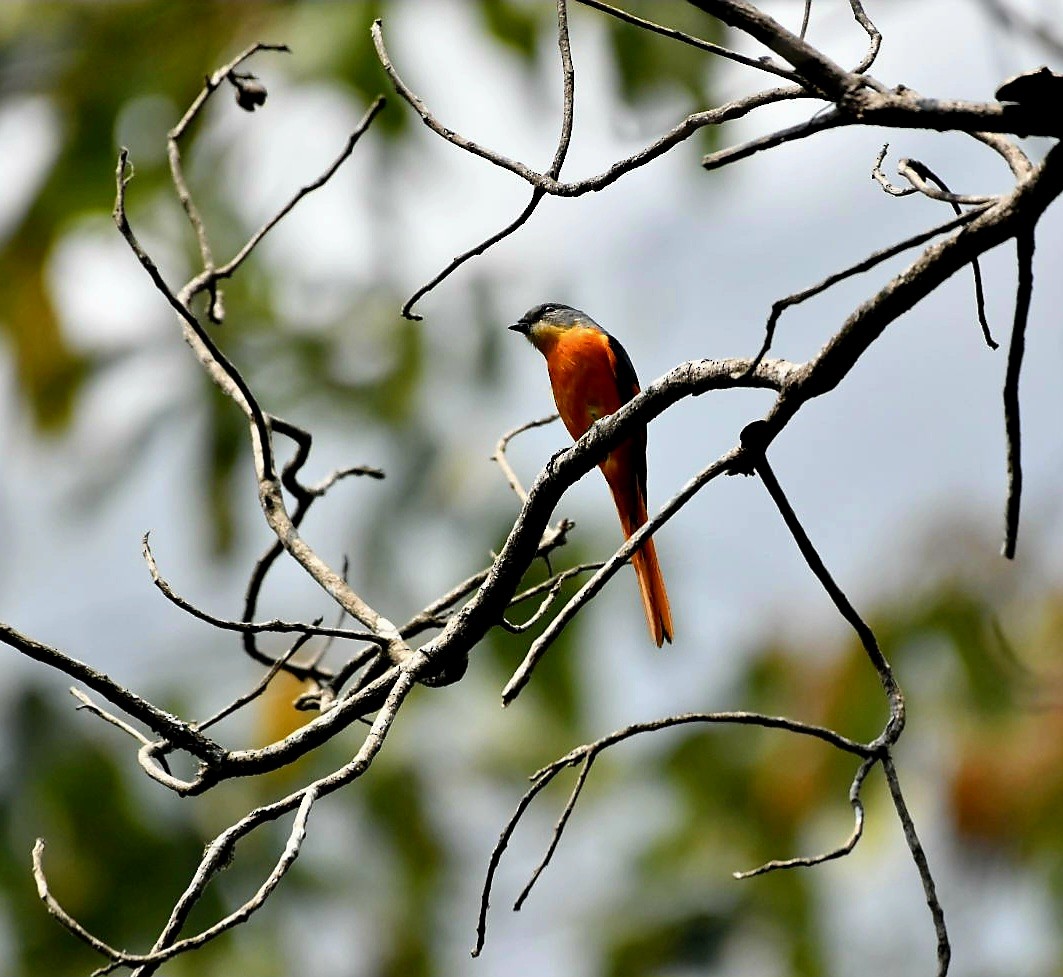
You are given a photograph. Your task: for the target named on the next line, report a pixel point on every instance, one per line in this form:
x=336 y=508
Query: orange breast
x=583 y=376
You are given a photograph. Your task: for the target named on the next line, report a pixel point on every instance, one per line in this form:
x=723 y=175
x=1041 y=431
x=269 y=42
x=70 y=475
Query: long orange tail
x=648 y=570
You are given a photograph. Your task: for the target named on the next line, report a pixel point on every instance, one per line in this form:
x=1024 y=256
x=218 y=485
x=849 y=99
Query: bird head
x=545 y=323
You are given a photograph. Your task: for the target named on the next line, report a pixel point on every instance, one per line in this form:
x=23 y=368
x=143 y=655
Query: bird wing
x=627 y=385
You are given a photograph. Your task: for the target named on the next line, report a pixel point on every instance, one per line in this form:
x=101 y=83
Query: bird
x=592 y=376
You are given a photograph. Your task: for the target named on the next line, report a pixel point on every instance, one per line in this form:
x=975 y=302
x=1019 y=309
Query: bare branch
x=873 y=34
x=815 y=68
x=573 y=797
x=586 y=754
x=518 y=222
x=84 y=702
x=261 y=686
x=587 y=592
x=547 y=585
x=173 y=152
x=228 y=378
x=759 y=462
x=281 y=627
x=304 y=496
x=211 y=275
x=871 y=261
x=553 y=588
x=1024 y=244
x=944 y=950
x=218 y=853
x=882 y=180
x=761 y=64
x=500 y=453
x=808 y=861
x=1018 y=162
x=829 y=119
x=917 y=173
x=865 y=100
x=158 y=721
x=568 y=82
x=685 y=129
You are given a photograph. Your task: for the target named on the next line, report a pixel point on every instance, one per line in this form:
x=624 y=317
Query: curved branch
x=809 y=861
x=218 y=854
x=586 y=755
x=230 y=381
x=249 y=627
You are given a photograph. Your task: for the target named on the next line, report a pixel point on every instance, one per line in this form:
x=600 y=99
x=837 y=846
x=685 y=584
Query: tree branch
x=1024 y=244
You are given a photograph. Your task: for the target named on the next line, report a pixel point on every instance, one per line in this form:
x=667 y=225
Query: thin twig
x=546 y=585
x=568 y=81
x=223 y=373
x=559 y=829
x=916 y=173
x=762 y=64
x=684 y=130
x=584 y=754
x=808 y=861
x=240 y=701
x=822 y=121
x=280 y=627
x=553 y=588
x=587 y=592
x=304 y=497
x=1024 y=244
x=914 y=168
x=457 y=261
x=211 y=275
x=879 y=176
x=500 y=453
x=86 y=703
x=432 y=615
x=760 y=465
x=173 y=152
x=496 y=858
x=944 y=950
x=873 y=35
x=866 y=264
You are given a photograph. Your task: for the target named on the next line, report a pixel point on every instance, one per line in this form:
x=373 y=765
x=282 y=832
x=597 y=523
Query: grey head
x=551 y=314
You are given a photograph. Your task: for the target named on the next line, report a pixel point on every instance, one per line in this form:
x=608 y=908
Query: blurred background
x=108 y=429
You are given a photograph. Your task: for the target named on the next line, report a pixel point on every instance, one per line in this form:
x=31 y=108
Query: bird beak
x=522 y=327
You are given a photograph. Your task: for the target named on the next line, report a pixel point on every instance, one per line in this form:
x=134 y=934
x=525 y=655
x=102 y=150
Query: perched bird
x=592 y=377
